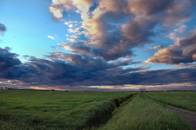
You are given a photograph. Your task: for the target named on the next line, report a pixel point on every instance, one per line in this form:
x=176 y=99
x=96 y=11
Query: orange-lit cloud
x=182 y=52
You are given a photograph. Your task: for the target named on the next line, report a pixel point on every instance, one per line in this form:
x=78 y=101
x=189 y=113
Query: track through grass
x=142 y=114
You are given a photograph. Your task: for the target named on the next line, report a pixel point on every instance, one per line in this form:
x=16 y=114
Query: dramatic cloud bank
x=100 y=48
x=72 y=71
x=112 y=28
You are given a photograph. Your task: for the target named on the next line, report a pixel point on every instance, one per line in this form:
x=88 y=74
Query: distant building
x=142 y=89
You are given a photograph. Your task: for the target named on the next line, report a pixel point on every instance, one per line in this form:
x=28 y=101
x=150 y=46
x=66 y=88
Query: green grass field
x=186 y=100
x=45 y=110
x=142 y=114
x=21 y=109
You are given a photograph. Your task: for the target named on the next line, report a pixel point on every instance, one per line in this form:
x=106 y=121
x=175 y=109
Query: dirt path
x=190 y=116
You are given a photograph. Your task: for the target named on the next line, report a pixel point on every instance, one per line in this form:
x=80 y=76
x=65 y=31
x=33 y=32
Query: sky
x=98 y=45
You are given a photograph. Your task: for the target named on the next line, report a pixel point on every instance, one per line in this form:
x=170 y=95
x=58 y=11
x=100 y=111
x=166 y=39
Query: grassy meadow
x=56 y=110
x=142 y=114
x=186 y=100
x=21 y=109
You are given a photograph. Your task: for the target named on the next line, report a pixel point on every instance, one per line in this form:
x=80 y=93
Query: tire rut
x=188 y=115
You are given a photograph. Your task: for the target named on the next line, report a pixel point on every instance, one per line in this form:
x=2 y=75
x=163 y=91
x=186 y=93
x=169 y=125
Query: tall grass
x=186 y=100
x=57 y=110
x=141 y=114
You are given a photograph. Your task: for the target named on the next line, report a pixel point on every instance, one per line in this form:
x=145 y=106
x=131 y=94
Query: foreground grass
x=186 y=100
x=56 y=110
x=141 y=114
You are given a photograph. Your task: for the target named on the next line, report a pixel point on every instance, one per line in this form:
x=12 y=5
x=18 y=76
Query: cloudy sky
x=98 y=44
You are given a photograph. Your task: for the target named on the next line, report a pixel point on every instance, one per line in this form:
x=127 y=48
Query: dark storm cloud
x=8 y=59
x=2 y=28
x=63 y=69
x=59 y=73
x=161 y=77
x=74 y=71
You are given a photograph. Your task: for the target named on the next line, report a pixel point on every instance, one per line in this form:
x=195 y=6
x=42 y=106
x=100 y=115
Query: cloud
x=179 y=12
x=78 y=48
x=51 y=37
x=7 y=59
x=175 y=37
x=73 y=40
x=115 y=27
x=75 y=30
x=57 y=13
x=61 y=69
x=150 y=7
x=183 y=52
x=178 y=34
x=181 y=29
x=2 y=28
x=110 y=30
x=73 y=71
x=58 y=6
x=155 y=47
